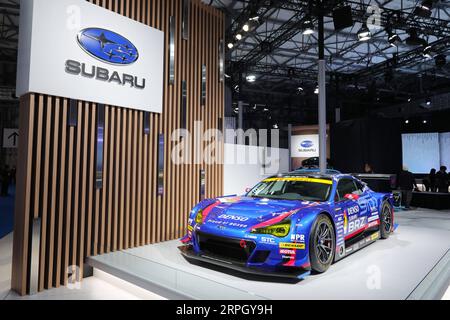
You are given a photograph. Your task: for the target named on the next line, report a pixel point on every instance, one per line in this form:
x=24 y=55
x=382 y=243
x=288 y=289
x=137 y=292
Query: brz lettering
x=233 y=217
x=101 y=74
x=356 y=225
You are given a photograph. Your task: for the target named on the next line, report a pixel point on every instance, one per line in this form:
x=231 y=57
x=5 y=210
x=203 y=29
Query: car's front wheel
x=322 y=244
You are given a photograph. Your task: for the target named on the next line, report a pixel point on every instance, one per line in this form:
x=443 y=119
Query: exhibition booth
x=123 y=168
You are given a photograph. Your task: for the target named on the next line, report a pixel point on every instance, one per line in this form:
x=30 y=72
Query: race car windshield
x=304 y=189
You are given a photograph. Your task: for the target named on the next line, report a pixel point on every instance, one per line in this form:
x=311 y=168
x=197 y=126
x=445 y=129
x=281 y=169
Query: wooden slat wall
x=56 y=169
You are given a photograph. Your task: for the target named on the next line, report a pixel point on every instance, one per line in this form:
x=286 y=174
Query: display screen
x=424 y=151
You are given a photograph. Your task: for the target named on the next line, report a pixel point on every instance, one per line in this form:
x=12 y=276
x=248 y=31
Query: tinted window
x=345 y=186
x=293 y=189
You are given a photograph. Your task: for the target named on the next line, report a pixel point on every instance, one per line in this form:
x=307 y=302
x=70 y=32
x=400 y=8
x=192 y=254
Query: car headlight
x=199 y=217
x=280 y=230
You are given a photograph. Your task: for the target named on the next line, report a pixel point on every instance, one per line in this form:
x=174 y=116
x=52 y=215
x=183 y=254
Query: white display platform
x=414 y=263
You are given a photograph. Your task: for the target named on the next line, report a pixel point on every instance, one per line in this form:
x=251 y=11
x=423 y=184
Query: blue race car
x=289 y=223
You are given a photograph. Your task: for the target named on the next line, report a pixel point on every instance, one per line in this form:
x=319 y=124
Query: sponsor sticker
x=267 y=240
x=290 y=245
x=301 y=179
x=297 y=237
x=375 y=236
x=287 y=252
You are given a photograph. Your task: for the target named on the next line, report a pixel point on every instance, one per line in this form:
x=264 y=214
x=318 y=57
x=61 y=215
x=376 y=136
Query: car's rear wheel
x=322 y=244
x=386 y=220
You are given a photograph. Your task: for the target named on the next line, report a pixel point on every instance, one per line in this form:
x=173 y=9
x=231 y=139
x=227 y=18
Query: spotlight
x=425 y=121
x=251 y=78
x=428 y=102
x=364 y=33
x=239 y=36
x=393 y=38
x=407 y=121
x=427 y=51
x=254 y=18
x=424 y=9
x=246 y=27
x=308 y=27
x=316 y=90
x=231 y=45
x=409 y=99
x=275 y=126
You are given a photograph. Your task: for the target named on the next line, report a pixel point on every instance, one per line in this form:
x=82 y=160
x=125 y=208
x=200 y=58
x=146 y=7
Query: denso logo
x=107 y=46
x=307 y=144
x=353 y=210
x=233 y=217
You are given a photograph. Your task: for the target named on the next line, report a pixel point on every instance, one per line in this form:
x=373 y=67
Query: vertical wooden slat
x=23 y=196
x=56 y=172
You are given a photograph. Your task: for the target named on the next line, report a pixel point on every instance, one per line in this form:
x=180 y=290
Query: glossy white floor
x=101 y=286
x=413 y=263
x=414 y=226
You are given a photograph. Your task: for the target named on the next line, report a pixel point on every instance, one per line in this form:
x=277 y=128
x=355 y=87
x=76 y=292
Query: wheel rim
x=324 y=243
x=387 y=221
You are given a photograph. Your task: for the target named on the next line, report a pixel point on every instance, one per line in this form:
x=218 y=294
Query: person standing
x=406 y=183
x=368 y=169
x=442 y=180
x=430 y=181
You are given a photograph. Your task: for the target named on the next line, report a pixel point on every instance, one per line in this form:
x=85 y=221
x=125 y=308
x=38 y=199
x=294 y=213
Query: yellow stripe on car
x=312 y=180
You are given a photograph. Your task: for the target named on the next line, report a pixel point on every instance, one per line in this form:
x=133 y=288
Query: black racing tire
x=322 y=244
x=386 y=220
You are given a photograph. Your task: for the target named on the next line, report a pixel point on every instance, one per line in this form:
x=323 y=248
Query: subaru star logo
x=107 y=46
x=307 y=144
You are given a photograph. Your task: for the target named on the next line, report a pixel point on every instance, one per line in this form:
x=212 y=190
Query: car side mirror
x=351 y=196
x=248 y=189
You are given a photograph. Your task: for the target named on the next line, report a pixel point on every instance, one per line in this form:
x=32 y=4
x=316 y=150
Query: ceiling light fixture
x=246 y=27
x=230 y=45
x=251 y=78
x=393 y=38
x=364 y=33
x=239 y=36
x=308 y=27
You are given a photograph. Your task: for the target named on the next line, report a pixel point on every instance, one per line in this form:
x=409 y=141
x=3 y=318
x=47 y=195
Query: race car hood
x=246 y=212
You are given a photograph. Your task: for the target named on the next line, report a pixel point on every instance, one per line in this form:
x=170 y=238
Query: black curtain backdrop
x=375 y=141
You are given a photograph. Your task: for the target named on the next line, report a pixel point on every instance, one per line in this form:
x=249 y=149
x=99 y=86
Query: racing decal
x=353 y=210
x=224 y=223
x=302 y=179
x=268 y=240
x=229 y=200
x=290 y=245
x=297 y=237
x=287 y=252
x=375 y=236
x=233 y=217
x=190 y=228
x=373 y=218
x=354 y=227
x=208 y=209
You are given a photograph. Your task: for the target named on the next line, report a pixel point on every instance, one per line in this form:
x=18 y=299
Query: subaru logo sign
x=307 y=144
x=107 y=46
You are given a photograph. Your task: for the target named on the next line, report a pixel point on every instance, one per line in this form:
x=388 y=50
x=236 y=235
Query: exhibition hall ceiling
x=405 y=51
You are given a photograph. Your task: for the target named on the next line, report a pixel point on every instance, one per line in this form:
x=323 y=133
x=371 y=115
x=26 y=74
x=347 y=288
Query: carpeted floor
x=7 y=213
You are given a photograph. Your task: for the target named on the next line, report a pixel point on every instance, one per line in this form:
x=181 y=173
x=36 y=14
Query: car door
x=348 y=201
